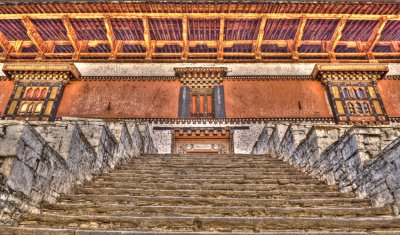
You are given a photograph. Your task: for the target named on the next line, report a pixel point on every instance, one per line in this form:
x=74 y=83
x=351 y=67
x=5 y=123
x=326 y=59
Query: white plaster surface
x=167 y=69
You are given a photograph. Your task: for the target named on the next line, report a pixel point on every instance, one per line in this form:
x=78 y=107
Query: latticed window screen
x=356 y=102
x=201 y=104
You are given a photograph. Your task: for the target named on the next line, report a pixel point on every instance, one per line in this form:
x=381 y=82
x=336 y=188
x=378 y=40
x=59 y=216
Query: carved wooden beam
x=297 y=38
x=260 y=37
x=376 y=35
x=73 y=38
x=33 y=34
x=336 y=37
x=110 y=37
x=83 y=45
x=147 y=39
x=220 y=43
x=185 y=46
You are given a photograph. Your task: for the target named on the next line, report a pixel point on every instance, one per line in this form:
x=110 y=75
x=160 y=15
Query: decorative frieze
x=201 y=77
x=41 y=72
x=349 y=72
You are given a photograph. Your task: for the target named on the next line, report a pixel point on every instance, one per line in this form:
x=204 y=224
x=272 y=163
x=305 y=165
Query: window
x=28 y=93
x=353 y=93
x=202 y=104
x=38 y=108
x=30 y=108
x=24 y=108
x=36 y=93
x=359 y=108
x=351 y=108
x=366 y=108
x=346 y=93
x=361 y=93
x=43 y=93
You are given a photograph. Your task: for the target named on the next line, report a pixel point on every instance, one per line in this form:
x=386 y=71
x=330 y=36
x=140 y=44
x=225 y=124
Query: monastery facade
x=248 y=116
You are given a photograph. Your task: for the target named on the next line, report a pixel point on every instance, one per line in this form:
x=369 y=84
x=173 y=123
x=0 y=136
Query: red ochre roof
x=200 y=31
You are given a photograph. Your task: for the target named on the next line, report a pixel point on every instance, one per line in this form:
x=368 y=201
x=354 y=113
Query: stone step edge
x=138 y=232
x=214 y=191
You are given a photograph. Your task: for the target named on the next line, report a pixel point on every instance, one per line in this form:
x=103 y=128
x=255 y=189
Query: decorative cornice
x=349 y=72
x=129 y=78
x=41 y=72
x=180 y=132
x=270 y=77
x=229 y=120
x=201 y=72
x=201 y=77
x=392 y=77
x=174 y=78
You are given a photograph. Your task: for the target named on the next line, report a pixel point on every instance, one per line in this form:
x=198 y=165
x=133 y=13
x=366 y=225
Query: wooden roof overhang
x=201 y=31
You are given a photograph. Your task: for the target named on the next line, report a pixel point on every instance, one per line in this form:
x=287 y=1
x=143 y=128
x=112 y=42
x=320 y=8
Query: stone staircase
x=202 y=194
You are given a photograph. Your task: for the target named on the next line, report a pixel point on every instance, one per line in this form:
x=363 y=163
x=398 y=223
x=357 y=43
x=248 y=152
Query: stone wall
x=42 y=160
x=363 y=159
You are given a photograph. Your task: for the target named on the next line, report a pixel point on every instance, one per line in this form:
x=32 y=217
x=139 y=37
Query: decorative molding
x=392 y=77
x=202 y=132
x=174 y=78
x=201 y=77
x=41 y=72
x=129 y=78
x=349 y=72
x=270 y=77
x=227 y=121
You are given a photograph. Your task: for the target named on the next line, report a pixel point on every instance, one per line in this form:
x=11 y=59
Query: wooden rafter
x=73 y=38
x=395 y=46
x=33 y=34
x=260 y=37
x=297 y=38
x=18 y=46
x=376 y=35
x=5 y=44
x=336 y=36
x=220 y=44
x=185 y=43
x=110 y=37
x=147 y=40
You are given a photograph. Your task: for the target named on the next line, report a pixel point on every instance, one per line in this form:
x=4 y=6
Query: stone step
x=208 y=166
x=204 y=156
x=168 y=200
x=160 y=170
x=209 y=176
x=238 y=187
x=210 y=193
x=208 y=181
x=121 y=231
x=249 y=158
x=133 y=210
x=211 y=223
